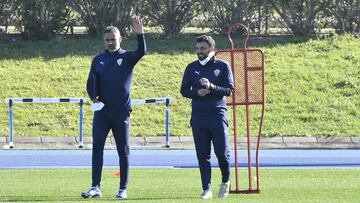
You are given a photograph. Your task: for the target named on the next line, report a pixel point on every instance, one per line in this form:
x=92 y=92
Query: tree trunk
x=266 y=17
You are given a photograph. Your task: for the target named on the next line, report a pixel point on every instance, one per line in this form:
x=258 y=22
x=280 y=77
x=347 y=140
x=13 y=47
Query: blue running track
x=12 y=159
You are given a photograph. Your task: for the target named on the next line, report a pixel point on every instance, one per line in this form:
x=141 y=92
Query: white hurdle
x=11 y=101
x=81 y=102
x=165 y=100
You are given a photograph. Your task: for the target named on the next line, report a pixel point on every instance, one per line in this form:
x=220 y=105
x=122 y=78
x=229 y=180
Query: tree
x=264 y=15
x=7 y=13
x=98 y=14
x=170 y=15
x=300 y=15
x=42 y=19
x=347 y=15
x=226 y=12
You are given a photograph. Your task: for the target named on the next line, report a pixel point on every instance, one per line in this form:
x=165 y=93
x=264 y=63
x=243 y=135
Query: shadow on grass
x=156 y=43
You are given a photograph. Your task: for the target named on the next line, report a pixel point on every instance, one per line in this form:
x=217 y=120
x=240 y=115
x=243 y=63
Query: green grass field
x=180 y=185
x=312 y=85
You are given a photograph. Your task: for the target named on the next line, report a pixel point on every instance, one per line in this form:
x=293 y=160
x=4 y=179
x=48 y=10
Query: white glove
x=97 y=106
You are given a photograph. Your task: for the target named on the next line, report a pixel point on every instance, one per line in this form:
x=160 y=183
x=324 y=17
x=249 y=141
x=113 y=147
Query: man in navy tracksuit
x=108 y=87
x=207 y=82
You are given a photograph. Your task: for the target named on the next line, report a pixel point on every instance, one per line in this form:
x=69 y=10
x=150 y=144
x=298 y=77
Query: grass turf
x=180 y=185
x=312 y=85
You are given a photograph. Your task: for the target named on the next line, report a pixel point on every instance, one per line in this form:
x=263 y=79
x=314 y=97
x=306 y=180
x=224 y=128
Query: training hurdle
x=12 y=101
x=167 y=101
x=81 y=102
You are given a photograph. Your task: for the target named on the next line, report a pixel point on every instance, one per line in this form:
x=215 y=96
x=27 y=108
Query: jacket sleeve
x=135 y=56
x=227 y=86
x=91 y=85
x=186 y=88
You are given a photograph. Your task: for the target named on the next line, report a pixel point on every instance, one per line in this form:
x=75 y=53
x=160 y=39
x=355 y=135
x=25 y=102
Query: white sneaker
x=206 y=194
x=122 y=194
x=224 y=190
x=94 y=192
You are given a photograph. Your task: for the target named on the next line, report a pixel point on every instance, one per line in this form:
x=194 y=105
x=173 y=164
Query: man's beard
x=202 y=56
x=112 y=47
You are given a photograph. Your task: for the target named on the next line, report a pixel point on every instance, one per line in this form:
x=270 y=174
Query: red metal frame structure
x=248 y=70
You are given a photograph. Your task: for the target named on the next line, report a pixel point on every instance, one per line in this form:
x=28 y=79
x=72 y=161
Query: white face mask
x=207 y=59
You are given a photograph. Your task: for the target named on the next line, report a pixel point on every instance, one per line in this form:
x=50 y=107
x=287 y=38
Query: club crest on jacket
x=119 y=61
x=216 y=72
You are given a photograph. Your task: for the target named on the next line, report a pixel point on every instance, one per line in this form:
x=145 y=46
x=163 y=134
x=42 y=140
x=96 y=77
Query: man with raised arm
x=108 y=86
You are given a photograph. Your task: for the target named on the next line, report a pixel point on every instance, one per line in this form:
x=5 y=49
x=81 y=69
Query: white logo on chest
x=216 y=72
x=119 y=61
x=197 y=72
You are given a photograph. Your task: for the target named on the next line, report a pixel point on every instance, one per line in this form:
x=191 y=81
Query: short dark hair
x=208 y=39
x=113 y=29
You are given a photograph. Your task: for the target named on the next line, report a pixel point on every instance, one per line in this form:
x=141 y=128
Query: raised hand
x=137 y=25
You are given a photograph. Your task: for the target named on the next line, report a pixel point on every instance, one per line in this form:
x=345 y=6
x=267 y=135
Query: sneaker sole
x=206 y=197
x=89 y=196
x=222 y=197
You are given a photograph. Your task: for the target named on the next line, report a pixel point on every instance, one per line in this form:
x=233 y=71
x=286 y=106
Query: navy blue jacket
x=219 y=74
x=110 y=77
